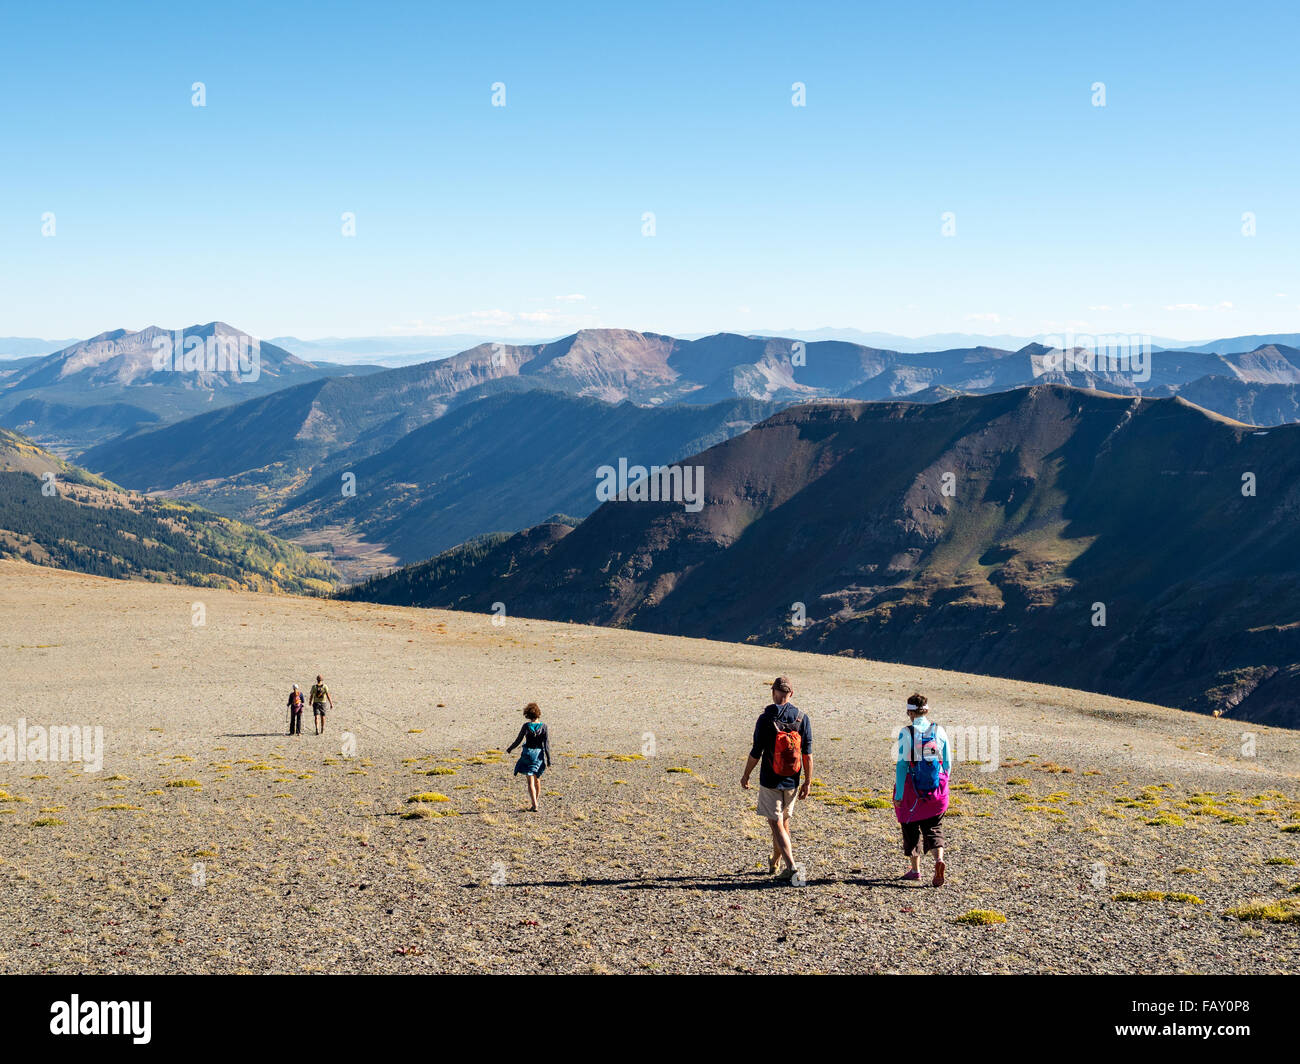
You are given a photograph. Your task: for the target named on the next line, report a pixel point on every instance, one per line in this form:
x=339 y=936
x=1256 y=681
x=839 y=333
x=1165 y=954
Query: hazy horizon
x=401 y=348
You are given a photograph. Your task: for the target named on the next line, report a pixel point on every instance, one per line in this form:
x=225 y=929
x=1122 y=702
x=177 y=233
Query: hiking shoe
x=939 y=868
x=912 y=875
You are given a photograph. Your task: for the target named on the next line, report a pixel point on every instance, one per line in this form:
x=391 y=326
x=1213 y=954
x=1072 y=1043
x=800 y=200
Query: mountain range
x=19 y=347
x=107 y=388
x=1118 y=544
x=277 y=460
x=92 y=390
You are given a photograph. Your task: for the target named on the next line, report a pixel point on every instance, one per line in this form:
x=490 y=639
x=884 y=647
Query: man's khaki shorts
x=776 y=804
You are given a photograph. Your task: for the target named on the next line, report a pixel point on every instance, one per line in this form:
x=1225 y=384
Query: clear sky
x=527 y=219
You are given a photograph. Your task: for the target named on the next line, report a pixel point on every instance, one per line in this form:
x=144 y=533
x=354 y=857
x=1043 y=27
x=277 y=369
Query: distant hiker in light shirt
x=535 y=757
x=783 y=747
x=318 y=695
x=923 y=764
x=295 y=711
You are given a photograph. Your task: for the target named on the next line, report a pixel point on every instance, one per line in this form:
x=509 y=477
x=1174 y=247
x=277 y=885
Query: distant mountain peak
x=126 y=377
x=126 y=358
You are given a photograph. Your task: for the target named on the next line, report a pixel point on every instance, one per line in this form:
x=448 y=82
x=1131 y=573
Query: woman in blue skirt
x=535 y=757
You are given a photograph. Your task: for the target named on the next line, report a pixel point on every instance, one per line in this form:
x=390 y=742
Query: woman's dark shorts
x=930 y=829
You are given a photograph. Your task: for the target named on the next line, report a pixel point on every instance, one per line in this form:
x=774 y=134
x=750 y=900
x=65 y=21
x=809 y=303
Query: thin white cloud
x=496 y=321
x=1221 y=305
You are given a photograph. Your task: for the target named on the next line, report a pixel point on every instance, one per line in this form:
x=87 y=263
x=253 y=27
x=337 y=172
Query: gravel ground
x=213 y=842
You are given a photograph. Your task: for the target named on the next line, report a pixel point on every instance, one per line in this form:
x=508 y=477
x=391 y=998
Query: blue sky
x=527 y=220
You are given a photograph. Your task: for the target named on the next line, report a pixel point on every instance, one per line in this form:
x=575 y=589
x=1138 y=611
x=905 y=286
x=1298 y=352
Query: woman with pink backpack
x=921 y=787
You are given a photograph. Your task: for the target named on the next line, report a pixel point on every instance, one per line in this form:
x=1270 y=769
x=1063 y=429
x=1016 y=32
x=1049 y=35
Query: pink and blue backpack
x=925 y=787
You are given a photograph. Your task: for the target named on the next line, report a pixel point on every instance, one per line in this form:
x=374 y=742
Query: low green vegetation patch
x=854 y=801
x=981 y=917
x=1158 y=895
x=1283 y=911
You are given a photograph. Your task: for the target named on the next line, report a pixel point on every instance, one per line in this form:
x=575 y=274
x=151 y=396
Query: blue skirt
x=530 y=762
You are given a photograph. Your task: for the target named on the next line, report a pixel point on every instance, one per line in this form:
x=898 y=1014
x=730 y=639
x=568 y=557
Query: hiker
x=319 y=694
x=921 y=787
x=535 y=757
x=783 y=746
x=295 y=711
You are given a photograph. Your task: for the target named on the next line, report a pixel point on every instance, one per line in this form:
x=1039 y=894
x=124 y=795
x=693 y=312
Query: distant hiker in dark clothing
x=535 y=757
x=921 y=787
x=783 y=746
x=295 y=711
x=319 y=694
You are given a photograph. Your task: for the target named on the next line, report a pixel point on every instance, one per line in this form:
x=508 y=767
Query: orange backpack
x=787 y=753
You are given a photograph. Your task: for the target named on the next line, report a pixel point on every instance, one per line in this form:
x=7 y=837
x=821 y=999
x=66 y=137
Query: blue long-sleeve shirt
x=904 y=753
